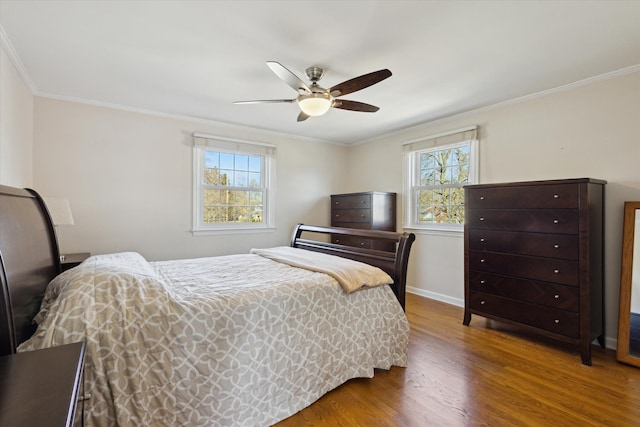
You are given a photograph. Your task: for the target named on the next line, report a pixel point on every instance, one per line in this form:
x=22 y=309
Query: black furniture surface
x=41 y=388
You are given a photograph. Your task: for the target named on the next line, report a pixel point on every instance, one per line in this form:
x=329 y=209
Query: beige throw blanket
x=352 y=275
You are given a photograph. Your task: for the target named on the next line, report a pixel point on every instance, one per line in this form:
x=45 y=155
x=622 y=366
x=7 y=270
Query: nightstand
x=41 y=387
x=68 y=261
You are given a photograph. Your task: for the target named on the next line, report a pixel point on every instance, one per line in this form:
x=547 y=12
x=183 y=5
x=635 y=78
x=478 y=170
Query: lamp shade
x=314 y=104
x=60 y=210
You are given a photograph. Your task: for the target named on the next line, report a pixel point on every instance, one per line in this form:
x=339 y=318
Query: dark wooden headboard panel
x=394 y=263
x=29 y=259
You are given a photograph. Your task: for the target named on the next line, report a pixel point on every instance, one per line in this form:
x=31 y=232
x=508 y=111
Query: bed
x=246 y=339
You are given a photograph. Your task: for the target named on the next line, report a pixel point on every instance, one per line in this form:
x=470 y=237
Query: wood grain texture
x=626 y=277
x=488 y=374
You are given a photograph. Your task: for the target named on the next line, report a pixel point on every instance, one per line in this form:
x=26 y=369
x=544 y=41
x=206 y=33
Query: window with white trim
x=233 y=184
x=436 y=169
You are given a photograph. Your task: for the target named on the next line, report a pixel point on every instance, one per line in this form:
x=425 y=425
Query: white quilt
x=236 y=340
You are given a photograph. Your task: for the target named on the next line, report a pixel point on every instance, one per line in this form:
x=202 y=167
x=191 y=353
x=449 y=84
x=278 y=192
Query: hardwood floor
x=486 y=374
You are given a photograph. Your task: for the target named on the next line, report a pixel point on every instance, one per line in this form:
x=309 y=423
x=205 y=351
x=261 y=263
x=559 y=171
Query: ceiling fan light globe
x=314 y=104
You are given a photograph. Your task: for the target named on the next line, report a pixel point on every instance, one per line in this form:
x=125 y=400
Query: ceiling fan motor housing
x=314 y=73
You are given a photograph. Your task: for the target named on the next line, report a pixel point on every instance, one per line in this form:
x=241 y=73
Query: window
x=233 y=184
x=436 y=169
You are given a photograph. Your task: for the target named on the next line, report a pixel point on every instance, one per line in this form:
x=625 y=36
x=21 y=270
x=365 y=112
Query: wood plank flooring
x=486 y=374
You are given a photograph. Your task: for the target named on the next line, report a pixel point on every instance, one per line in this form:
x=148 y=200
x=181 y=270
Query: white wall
x=128 y=179
x=16 y=126
x=584 y=131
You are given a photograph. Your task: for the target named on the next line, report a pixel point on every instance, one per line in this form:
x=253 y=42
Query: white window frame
x=204 y=143
x=412 y=151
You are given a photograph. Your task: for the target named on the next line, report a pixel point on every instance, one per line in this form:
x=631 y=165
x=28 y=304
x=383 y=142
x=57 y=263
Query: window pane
x=256 y=214
x=242 y=214
x=241 y=162
x=226 y=177
x=437 y=194
x=233 y=172
x=255 y=179
x=255 y=164
x=211 y=197
x=226 y=161
x=241 y=179
x=255 y=198
x=211 y=159
x=211 y=176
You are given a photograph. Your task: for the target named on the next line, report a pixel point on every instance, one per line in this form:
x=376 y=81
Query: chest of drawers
x=372 y=210
x=534 y=257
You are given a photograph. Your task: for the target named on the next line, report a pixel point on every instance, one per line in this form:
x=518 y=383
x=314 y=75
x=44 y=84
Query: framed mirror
x=629 y=314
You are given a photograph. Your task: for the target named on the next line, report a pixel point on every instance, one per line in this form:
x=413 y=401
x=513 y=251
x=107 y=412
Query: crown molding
x=268 y=134
x=559 y=89
x=15 y=60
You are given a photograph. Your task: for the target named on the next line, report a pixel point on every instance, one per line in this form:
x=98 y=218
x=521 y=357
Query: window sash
x=412 y=181
x=204 y=143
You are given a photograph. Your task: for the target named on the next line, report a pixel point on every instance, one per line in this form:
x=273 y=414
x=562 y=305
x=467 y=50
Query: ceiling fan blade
x=354 y=106
x=358 y=83
x=288 y=77
x=266 y=101
x=302 y=117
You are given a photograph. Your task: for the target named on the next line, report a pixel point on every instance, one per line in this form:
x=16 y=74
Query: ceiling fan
x=314 y=100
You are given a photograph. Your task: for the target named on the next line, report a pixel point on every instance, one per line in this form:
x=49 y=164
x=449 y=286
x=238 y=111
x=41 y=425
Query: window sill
x=447 y=231
x=231 y=230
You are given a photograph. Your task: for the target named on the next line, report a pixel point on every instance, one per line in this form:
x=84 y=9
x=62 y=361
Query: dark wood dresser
x=534 y=257
x=372 y=210
x=41 y=387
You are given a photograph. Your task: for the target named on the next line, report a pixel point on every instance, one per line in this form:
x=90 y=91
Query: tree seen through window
x=439 y=192
x=233 y=188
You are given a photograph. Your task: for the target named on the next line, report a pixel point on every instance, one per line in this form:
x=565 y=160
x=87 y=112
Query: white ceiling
x=194 y=58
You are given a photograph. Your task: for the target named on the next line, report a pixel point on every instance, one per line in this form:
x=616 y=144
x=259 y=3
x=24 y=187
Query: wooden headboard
x=29 y=259
x=394 y=263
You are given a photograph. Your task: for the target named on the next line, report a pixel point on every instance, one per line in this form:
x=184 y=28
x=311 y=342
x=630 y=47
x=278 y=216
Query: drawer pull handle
x=482 y=239
x=482 y=282
x=482 y=260
x=555 y=196
x=556 y=271
x=481 y=218
x=481 y=302
x=555 y=221
x=556 y=246
x=361 y=243
x=337 y=215
x=481 y=197
x=556 y=296
x=557 y=321
x=337 y=240
x=361 y=201
x=337 y=203
x=362 y=216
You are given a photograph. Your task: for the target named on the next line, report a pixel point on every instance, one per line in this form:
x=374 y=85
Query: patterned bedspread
x=234 y=340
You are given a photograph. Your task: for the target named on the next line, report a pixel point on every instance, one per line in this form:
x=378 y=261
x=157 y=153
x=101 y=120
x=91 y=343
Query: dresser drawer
x=553 y=196
x=541 y=293
x=562 y=246
x=541 y=221
x=557 y=321
x=357 y=201
x=545 y=269
x=350 y=215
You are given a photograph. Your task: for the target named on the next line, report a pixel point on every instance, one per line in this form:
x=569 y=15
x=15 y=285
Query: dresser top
x=363 y=193
x=39 y=388
x=546 y=182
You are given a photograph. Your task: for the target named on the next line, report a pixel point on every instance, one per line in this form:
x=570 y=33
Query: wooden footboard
x=394 y=263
